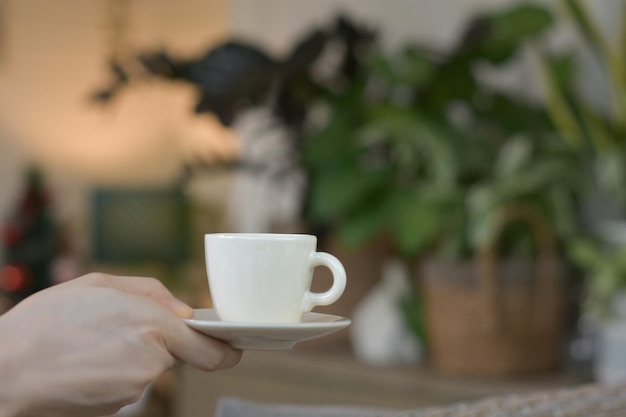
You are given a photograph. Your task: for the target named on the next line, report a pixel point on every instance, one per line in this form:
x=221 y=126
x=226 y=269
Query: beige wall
x=55 y=55
x=275 y=22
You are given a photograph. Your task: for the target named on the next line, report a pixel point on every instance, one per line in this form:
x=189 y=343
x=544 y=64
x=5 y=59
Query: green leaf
x=413 y=67
x=511 y=116
x=614 y=62
x=416 y=223
x=480 y=198
x=331 y=146
x=585 y=254
x=453 y=80
x=513 y=158
x=482 y=229
x=409 y=67
x=394 y=121
x=555 y=172
x=416 y=142
x=522 y=21
x=563 y=213
x=454 y=245
x=413 y=310
x=335 y=193
x=420 y=217
x=610 y=173
x=558 y=106
x=604 y=284
x=511 y=28
x=564 y=68
x=575 y=119
x=369 y=220
x=620 y=264
x=598 y=128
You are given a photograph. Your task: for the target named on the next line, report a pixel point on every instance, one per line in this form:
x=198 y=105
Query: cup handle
x=312 y=299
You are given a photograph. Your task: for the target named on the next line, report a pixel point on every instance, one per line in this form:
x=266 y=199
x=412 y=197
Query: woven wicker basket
x=497 y=317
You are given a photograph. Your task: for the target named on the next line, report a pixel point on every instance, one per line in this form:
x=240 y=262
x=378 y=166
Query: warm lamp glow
x=147 y=133
x=144 y=135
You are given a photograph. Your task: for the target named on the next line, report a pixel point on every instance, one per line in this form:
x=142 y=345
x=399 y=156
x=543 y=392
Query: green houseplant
x=421 y=150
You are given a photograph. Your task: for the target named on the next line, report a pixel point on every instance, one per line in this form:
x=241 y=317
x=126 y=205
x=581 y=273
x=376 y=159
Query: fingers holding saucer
x=200 y=351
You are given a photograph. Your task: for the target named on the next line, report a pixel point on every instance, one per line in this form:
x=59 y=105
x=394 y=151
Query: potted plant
x=421 y=150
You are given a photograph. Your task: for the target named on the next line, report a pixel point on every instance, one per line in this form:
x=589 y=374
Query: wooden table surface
x=335 y=377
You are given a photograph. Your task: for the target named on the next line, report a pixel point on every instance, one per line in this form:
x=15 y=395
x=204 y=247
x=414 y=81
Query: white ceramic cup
x=265 y=277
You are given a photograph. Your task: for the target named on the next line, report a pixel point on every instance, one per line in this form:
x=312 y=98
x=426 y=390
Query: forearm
x=12 y=401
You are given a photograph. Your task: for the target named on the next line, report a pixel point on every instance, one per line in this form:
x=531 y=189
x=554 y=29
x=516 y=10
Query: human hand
x=90 y=346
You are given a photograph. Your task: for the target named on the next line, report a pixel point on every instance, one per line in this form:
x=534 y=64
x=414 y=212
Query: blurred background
x=465 y=159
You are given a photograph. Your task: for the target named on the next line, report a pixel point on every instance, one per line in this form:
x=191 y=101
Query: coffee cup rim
x=260 y=236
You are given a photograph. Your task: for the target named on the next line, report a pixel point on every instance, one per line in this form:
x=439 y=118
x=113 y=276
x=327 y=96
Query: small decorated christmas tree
x=31 y=242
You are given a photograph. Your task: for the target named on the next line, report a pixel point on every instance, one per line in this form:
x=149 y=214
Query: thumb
x=183 y=310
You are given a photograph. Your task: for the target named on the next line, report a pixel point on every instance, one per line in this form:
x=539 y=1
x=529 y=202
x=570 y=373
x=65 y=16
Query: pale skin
x=90 y=346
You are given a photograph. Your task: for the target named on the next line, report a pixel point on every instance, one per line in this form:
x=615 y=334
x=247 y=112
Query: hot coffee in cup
x=266 y=278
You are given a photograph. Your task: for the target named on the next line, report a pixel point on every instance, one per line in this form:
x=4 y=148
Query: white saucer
x=263 y=336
